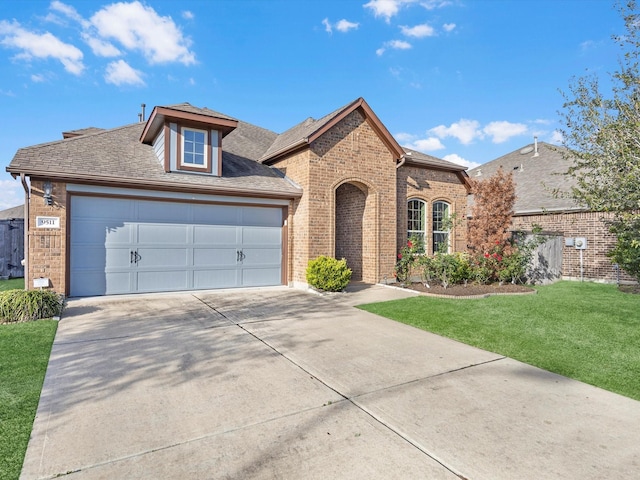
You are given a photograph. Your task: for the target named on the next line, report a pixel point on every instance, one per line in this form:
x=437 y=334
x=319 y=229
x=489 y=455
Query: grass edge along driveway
x=24 y=356
x=586 y=331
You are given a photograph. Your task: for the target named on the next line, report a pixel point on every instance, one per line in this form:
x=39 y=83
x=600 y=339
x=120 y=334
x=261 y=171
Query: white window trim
x=434 y=231
x=423 y=232
x=206 y=148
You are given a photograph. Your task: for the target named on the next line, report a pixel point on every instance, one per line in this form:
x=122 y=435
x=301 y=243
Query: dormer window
x=188 y=139
x=195 y=148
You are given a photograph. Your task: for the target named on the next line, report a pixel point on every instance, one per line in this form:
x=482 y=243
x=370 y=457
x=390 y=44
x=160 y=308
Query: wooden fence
x=11 y=248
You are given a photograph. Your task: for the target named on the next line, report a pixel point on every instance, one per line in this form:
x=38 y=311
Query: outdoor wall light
x=48 y=188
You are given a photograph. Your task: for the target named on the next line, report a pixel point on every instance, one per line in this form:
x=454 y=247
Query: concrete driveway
x=284 y=384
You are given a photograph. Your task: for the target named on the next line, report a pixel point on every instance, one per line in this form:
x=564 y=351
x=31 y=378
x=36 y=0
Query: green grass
x=586 y=331
x=12 y=284
x=24 y=355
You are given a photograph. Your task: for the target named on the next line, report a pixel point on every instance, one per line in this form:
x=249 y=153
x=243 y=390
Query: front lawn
x=586 y=331
x=24 y=355
x=12 y=284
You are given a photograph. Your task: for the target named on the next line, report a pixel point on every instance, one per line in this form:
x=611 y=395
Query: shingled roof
x=118 y=156
x=536 y=178
x=125 y=156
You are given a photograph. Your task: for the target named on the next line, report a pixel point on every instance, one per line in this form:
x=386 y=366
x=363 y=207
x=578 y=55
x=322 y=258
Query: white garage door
x=131 y=246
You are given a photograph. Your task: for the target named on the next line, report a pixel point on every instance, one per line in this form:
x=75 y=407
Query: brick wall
x=47 y=247
x=596 y=265
x=430 y=185
x=350 y=208
x=349 y=153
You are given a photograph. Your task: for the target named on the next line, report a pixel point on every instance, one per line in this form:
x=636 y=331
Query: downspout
x=26 y=231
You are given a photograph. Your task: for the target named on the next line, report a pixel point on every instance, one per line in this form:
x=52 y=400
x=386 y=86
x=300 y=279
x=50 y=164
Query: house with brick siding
x=196 y=199
x=578 y=238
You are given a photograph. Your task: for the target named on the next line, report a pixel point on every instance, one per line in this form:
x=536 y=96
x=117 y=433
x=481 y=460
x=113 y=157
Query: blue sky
x=464 y=80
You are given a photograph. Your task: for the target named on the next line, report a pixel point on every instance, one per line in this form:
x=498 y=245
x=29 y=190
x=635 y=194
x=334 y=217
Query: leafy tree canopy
x=602 y=136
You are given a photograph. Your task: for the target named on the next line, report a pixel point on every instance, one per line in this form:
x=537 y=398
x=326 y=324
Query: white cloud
x=448 y=27
x=100 y=47
x=418 y=31
x=345 y=25
x=45 y=45
x=139 y=27
x=327 y=25
x=465 y=131
x=12 y=194
x=386 y=8
x=502 y=131
x=433 y=4
x=430 y=144
x=455 y=158
x=404 y=137
x=556 y=137
x=187 y=15
x=121 y=73
x=70 y=12
x=394 y=44
x=38 y=78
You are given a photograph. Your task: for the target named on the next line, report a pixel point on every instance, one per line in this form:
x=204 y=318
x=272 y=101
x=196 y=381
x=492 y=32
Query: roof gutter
x=25 y=260
x=89 y=179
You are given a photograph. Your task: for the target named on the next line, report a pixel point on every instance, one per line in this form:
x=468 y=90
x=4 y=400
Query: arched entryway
x=355 y=237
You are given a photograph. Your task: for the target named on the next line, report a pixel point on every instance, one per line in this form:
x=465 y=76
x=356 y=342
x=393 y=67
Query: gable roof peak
x=309 y=130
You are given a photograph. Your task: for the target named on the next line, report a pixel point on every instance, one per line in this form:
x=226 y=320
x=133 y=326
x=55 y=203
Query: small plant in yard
x=328 y=274
x=406 y=260
x=447 y=268
x=27 y=305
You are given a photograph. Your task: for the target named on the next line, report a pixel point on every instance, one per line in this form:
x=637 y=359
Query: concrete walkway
x=283 y=384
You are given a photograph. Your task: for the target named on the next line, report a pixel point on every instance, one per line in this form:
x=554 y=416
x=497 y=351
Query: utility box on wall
x=580 y=243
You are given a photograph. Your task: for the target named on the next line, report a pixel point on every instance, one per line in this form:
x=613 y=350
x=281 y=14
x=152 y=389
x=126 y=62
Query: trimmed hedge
x=28 y=305
x=328 y=274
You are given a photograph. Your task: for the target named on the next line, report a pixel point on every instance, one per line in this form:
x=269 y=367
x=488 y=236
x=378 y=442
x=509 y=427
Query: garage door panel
x=260 y=277
x=208 y=257
x=155 y=234
x=87 y=283
x=178 y=246
x=163 y=212
x=216 y=215
x=149 y=257
x=216 y=278
x=87 y=257
x=117 y=258
x=261 y=256
x=117 y=282
x=118 y=210
x=261 y=236
x=260 y=216
x=215 y=235
x=162 y=281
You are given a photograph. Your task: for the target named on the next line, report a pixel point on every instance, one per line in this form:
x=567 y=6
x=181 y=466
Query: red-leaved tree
x=493 y=200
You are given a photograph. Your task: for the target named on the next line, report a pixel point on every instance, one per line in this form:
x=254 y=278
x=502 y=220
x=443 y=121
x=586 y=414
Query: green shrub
x=328 y=274
x=27 y=305
x=447 y=268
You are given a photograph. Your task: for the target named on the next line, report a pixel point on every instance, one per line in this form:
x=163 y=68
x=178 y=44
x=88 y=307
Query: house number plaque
x=47 y=222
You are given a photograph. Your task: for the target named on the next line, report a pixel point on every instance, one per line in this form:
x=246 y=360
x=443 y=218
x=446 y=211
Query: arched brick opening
x=350 y=210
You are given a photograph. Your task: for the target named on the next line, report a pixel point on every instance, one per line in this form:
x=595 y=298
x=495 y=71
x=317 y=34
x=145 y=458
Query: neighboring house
x=538 y=171
x=195 y=199
x=12 y=242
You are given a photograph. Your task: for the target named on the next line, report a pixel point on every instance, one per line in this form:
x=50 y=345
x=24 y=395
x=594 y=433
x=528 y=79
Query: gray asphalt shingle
x=536 y=177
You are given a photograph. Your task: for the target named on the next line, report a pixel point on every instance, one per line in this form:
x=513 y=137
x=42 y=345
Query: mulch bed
x=634 y=289
x=472 y=290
